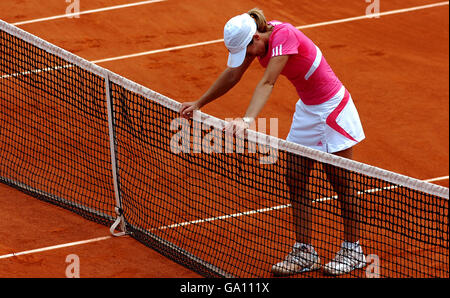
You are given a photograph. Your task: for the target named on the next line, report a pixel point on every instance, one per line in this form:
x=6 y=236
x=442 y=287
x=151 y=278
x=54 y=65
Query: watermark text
x=214 y=137
x=373 y=10
x=73 y=269
x=73 y=9
x=373 y=267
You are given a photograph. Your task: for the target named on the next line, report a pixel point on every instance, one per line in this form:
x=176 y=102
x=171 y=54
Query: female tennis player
x=325 y=119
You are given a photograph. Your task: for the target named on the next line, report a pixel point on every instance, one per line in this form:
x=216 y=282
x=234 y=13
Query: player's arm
x=265 y=86
x=224 y=83
x=262 y=93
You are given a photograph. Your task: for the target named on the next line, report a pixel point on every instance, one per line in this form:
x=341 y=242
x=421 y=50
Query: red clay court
x=395 y=66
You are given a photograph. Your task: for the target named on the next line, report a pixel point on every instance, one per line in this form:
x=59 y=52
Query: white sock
x=350 y=245
x=308 y=246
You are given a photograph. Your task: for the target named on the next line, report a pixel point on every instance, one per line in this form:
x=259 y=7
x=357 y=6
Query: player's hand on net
x=188 y=108
x=236 y=126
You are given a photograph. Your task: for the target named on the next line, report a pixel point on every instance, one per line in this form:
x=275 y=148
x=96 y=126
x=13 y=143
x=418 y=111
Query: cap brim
x=236 y=59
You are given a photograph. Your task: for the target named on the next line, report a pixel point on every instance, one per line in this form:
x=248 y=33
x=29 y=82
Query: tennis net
x=86 y=139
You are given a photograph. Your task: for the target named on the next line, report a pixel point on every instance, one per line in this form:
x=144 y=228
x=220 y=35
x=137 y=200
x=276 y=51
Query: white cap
x=238 y=33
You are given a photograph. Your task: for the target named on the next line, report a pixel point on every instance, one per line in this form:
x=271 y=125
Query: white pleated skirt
x=331 y=127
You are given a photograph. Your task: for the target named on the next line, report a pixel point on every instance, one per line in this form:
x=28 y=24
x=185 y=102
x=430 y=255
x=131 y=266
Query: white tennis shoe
x=346 y=260
x=302 y=258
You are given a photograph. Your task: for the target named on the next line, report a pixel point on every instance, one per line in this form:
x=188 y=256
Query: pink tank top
x=307 y=69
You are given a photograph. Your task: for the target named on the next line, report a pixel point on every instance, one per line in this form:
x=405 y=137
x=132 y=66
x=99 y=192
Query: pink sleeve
x=284 y=43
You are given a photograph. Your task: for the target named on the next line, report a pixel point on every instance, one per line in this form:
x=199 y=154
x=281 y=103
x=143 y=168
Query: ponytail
x=260 y=20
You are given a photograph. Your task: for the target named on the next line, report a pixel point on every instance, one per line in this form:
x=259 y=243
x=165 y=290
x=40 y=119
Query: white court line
x=398 y=11
x=370 y=16
x=70 y=15
x=34 y=71
x=224 y=217
x=15 y=254
x=437 y=179
x=221 y=40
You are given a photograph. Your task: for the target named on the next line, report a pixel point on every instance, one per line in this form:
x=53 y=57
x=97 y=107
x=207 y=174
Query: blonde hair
x=260 y=20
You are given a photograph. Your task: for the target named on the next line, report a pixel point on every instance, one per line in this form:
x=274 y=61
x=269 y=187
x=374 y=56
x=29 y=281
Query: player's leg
x=350 y=256
x=303 y=257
